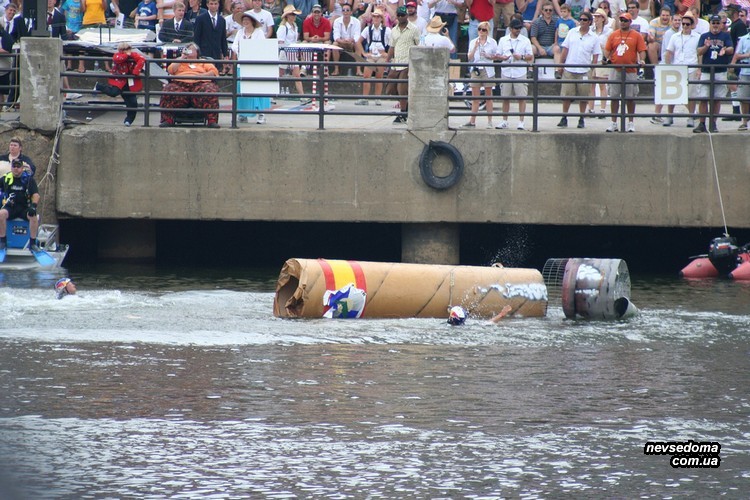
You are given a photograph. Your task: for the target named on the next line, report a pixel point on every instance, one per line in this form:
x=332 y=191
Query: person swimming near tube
x=65 y=286
x=457 y=315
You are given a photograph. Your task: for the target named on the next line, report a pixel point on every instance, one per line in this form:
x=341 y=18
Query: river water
x=179 y=384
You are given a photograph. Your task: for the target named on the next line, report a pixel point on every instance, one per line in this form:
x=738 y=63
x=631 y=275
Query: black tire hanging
x=429 y=153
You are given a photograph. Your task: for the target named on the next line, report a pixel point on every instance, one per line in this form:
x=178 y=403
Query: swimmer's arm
x=501 y=315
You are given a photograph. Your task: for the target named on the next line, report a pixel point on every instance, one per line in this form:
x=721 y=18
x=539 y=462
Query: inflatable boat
x=723 y=260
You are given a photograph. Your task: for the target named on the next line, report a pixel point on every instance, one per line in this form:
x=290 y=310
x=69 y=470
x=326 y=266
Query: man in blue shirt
x=715 y=50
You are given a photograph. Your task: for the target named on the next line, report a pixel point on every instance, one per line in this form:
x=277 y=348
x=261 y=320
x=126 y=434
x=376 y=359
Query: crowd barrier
x=320 y=88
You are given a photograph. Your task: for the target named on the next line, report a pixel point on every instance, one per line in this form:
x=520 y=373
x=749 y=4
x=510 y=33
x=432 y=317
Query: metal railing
x=541 y=91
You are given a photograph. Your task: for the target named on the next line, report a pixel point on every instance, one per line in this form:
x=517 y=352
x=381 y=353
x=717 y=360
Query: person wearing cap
x=252 y=29
x=515 y=53
x=482 y=53
x=437 y=35
x=404 y=36
x=414 y=18
x=64 y=287
x=346 y=33
x=288 y=33
x=20 y=199
x=177 y=92
x=316 y=28
x=448 y=12
x=581 y=46
x=264 y=17
x=373 y=44
x=682 y=49
x=624 y=47
x=210 y=33
x=742 y=57
x=480 y=11
x=601 y=73
x=715 y=49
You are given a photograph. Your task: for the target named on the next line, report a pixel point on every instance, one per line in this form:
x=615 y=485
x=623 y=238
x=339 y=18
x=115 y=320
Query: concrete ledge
x=332 y=175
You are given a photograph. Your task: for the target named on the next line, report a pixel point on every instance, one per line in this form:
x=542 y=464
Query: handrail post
x=535 y=95
x=322 y=67
x=235 y=87
x=146 y=95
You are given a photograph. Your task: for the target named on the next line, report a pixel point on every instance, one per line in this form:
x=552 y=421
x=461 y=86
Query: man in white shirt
x=266 y=18
x=682 y=48
x=448 y=12
x=411 y=11
x=581 y=46
x=515 y=54
x=346 y=33
x=437 y=35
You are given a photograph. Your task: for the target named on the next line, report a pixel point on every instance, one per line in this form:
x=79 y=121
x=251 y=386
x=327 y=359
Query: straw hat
x=600 y=12
x=289 y=9
x=378 y=12
x=436 y=24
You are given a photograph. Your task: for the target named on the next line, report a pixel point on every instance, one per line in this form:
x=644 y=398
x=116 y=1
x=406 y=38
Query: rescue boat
x=724 y=260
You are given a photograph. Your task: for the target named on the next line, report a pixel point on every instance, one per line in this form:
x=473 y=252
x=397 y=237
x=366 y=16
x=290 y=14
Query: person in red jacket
x=125 y=80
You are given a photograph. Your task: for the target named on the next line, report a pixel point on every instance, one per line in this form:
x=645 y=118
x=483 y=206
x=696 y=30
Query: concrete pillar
x=436 y=243
x=127 y=239
x=40 y=96
x=428 y=89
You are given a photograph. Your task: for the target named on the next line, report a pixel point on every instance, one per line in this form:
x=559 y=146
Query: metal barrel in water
x=596 y=289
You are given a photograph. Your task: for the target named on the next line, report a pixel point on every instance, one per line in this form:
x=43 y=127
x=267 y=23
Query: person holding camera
x=482 y=52
x=20 y=199
x=516 y=53
x=437 y=35
x=189 y=72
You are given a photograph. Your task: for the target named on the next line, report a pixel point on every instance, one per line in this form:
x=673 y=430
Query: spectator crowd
x=601 y=47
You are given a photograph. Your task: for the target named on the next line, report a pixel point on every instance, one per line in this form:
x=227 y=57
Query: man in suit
x=55 y=20
x=178 y=29
x=14 y=25
x=210 y=32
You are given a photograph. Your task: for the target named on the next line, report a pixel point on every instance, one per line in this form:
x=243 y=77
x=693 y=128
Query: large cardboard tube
x=395 y=290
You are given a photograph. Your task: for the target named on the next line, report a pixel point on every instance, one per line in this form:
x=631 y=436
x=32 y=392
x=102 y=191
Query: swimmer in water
x=65 y=286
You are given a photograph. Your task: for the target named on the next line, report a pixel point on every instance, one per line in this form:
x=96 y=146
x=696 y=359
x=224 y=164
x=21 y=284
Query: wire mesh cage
x=553 y=273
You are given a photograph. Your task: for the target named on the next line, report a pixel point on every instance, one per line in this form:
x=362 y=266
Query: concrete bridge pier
x=429 y=243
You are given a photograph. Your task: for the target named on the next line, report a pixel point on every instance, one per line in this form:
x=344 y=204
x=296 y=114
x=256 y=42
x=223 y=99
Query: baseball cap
x=733 y=6
x=411 y=4
x=625 y=15
x=317 y=7
x=516 y=23
x=401 y=10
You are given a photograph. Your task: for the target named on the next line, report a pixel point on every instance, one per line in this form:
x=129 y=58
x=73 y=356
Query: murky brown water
x=173 y=392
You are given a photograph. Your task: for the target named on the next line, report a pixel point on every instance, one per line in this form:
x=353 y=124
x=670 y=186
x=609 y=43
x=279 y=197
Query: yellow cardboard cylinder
x=395 y=290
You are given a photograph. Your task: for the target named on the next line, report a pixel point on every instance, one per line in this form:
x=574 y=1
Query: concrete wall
x=310 y=175
x=607 y=179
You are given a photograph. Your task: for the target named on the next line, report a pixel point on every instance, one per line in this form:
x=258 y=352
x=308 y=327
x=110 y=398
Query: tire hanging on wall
x=429 y=153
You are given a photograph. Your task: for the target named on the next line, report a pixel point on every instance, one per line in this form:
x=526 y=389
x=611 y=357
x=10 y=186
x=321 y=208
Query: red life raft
x=724 y=260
